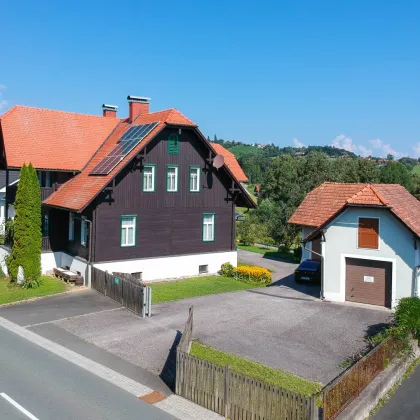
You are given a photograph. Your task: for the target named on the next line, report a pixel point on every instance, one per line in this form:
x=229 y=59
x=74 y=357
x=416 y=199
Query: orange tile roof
x=324 y=203
x=52 y=139
x=78 y=192
x=231 y=162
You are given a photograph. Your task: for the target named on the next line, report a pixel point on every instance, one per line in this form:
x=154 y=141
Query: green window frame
x=208 y=227
x=195 y=181
x=173 y=144
x=151 y=186
x=172 y=183
x=130 y=223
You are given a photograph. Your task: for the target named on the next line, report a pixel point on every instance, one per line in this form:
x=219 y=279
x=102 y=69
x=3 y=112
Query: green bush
x=407 y=318
x=226 y=270
x=297 y=253
x=9 y=227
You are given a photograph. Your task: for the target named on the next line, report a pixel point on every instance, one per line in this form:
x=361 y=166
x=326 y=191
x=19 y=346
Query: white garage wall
x=396 y=244
x=171 y=267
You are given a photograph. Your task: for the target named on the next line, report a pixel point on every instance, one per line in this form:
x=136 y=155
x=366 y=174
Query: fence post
x=142 y=305
x=149 y=301
x=226 y=391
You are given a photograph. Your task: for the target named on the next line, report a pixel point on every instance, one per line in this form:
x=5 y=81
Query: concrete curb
x=175 y=405
x=360 y=408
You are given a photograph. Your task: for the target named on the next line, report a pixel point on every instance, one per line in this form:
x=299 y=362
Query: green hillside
x=416 y=170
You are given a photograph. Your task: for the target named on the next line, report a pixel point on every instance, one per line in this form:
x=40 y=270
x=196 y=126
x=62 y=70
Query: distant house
x=13 y=180
x=257 y=190
x=138 y=194
x=368 y=237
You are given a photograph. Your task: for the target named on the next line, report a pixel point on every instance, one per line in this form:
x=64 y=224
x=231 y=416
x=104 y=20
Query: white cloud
x=297 y=143
x=346 y=143
x=386 y=149
x=416 y=149
x=3 y=102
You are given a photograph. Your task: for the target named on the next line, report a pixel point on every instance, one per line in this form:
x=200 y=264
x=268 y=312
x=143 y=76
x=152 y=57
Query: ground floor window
x=84 y=232
x=208 y=227
x=128 y=230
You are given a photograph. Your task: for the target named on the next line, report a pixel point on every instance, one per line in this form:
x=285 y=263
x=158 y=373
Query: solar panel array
x=128 y=141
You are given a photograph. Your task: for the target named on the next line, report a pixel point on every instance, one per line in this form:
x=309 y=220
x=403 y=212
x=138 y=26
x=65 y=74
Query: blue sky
x=288 y=72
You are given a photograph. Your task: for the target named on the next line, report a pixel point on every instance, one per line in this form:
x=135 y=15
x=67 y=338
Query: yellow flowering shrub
x=252 y=274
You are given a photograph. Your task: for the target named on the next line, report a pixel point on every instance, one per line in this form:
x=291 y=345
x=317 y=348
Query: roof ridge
x=57 y=110
x=379 y=195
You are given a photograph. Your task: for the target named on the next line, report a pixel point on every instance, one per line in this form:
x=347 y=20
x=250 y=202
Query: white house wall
x=171 y=267
x=396 y=244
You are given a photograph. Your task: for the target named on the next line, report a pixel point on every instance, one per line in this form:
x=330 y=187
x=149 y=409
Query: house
x=13 y=178
x=257 y=190
x=368 y=239
x=138 y=194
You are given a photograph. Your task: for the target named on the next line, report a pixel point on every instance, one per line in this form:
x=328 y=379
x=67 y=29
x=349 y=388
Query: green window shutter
x=173 y=144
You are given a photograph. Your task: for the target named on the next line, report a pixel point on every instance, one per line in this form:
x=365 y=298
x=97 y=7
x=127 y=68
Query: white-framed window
x=208 y=227
x=84 y=231
x=71 y=227
x=172 y=178
x=195 y=172
x=149 y=178
x=128 y=230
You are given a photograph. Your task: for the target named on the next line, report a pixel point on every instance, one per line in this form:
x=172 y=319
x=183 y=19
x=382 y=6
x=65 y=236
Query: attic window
x=173 y=144
x=368 y=235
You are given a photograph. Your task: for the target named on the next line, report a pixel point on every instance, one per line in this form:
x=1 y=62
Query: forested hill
x=241 y=150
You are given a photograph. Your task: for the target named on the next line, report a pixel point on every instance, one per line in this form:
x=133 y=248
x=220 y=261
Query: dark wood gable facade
x=165 y=222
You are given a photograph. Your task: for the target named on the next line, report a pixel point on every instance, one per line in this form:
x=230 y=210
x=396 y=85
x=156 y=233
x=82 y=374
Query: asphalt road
x=51 y=388
x=405 y=403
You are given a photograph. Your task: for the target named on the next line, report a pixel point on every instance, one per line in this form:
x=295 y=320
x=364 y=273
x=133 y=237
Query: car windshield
x=309 y=265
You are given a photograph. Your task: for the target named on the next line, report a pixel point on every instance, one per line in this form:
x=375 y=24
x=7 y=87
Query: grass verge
x=196 y=286
x=382 y=401
x=267 y=252
x=255 y=370
x=11 y=292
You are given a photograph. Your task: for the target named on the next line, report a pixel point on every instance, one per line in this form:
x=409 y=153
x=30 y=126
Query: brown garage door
x=369 y=281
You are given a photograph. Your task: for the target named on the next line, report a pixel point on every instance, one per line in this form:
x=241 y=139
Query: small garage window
x=368 y=233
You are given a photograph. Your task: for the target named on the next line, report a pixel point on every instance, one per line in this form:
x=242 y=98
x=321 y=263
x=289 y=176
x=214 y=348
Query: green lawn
x=267 y=252
x=11 y=292
x=196 y=286
x=257 y=371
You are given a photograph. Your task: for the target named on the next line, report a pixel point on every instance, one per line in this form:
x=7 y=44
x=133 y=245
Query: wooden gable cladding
x=368 y=234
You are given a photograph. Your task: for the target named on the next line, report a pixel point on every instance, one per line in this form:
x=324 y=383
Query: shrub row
x=247 y=273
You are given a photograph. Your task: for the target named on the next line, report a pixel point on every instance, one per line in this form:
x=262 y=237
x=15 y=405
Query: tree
x=389 y=156
x=396 y=173
x=215 y=138
x=26 y=249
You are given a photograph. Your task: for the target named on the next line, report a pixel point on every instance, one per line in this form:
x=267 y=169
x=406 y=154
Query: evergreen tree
x=26 y=249
x=215 y=138
x=208 y=138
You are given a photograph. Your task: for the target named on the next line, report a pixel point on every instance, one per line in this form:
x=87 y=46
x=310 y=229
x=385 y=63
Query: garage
x=369 y=281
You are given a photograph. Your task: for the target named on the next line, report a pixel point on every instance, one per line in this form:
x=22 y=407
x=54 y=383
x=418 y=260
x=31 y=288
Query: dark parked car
x=309 y=270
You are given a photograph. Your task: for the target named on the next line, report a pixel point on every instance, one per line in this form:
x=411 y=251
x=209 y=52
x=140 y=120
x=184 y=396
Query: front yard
x=196 y=286
x=255 y=370
x=11 y=292
x=269 y=252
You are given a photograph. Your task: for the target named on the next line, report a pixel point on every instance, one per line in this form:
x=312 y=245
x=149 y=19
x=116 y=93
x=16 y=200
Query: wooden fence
x=233 y=395
x=123 y=288
x=346 y=387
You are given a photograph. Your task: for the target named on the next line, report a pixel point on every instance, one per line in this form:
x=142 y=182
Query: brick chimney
x=109 y=111
x=137 y=105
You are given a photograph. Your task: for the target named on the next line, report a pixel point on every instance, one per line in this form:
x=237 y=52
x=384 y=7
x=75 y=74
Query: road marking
x=18 y=406
x=72 y=317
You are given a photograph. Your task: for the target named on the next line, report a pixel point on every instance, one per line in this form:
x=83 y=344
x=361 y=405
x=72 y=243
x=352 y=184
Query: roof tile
x=231 y=162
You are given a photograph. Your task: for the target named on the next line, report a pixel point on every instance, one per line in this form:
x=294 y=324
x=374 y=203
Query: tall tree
x=396 y=173
x=26 y=249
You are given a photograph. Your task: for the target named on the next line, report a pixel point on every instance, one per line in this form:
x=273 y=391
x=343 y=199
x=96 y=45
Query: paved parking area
x=284 y=326
x=303 y=336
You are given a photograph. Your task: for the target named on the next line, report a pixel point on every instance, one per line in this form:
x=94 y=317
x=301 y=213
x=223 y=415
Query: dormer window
x=368 y=233
x=173 y=144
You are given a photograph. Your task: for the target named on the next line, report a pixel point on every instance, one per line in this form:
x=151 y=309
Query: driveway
x=283 y=326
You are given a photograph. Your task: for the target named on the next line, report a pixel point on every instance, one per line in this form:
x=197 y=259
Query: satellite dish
x=218 y=161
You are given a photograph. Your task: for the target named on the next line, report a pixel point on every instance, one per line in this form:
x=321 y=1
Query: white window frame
x=197 y=171
x=146 y=175
x=83 y=231
x=71 y=227
x=132 y=225
x=212 y=223
x=175 y=177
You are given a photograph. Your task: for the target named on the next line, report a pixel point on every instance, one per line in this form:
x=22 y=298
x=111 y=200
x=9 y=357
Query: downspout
x=322 y=269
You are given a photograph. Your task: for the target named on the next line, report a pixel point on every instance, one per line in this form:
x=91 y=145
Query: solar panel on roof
x=128 y=141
